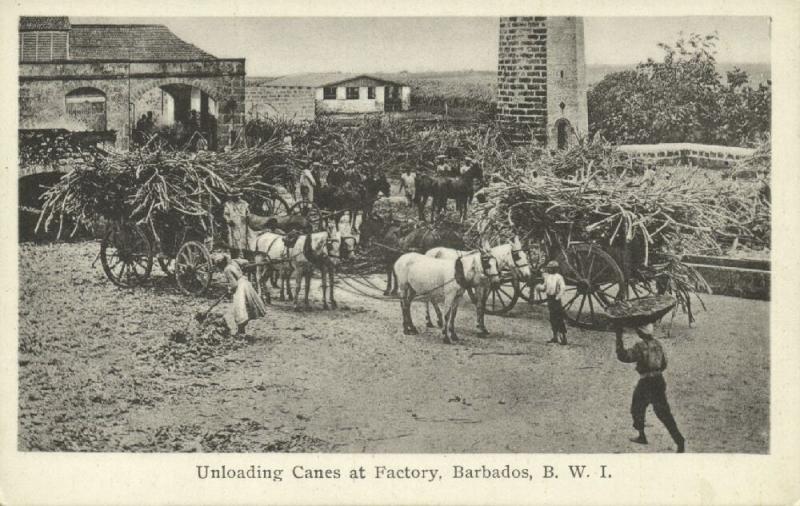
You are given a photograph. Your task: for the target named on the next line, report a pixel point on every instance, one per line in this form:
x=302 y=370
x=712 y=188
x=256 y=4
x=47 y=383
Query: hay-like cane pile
x=142 y=186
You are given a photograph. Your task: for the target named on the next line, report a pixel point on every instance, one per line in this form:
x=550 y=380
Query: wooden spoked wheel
x=193 y=268
x=274 y=205
x=527 y=292
x=126 y=255
x=503 y=298
x=309 y=211
x=593 y=281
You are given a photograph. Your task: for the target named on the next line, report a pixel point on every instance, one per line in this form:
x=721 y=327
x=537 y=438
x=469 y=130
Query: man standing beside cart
x=651 y=389
x=553 y=287
x=235 y=212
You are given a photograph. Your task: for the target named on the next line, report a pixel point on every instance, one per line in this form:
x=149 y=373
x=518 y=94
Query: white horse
x=441 y=282
x=272 y=254
x=479 y=285
x=323 y=251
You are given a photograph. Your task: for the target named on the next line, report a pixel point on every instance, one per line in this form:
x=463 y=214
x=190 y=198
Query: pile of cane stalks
x=660 y=218
x=145 y=186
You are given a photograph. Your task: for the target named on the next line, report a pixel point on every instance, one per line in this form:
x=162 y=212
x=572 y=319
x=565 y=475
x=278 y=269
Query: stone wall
x=566 y=79
x=289 y=102
x=43 y=87
x=343 y=105
x=522 y=77
x=700 y=155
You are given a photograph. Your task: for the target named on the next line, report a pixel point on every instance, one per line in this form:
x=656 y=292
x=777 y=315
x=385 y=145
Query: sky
x=279 y=46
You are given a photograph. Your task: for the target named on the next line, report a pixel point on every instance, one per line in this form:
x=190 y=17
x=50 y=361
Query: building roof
x=320 y=80
x=43 y=23
x=130 y=42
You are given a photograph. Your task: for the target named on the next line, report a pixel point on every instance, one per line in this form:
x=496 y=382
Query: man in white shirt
x=553 y=286
x=308 y=183
x=407 y=183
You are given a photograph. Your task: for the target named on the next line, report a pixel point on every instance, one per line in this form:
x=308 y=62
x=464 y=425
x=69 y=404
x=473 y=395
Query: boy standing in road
x=553 y=286
x=651 y=389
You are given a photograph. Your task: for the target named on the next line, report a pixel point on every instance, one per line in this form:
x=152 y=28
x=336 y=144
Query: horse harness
x=515 y=256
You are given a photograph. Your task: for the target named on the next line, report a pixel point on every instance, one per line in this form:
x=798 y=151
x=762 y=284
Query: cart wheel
x=528 y=294
x=274 y=205
x=503 y=298
x=308 y=210
x=126 y=255
x=593 y=282
x=193 y=268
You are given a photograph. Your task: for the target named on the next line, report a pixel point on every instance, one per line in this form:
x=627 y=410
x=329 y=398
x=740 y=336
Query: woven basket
x=638 y=312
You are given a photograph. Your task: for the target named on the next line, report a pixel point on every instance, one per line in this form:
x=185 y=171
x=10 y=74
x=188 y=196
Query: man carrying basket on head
x=651 y=389
x=553 y=286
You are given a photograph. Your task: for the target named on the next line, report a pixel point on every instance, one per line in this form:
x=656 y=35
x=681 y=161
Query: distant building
x=99 y=77
x=349 y=93
x=541 y=80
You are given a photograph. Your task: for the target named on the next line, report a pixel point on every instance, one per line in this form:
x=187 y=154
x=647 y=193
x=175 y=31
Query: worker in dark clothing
x=335 y=175
x=651 y=389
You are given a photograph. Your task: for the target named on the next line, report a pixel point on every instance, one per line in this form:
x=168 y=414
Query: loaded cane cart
x=597 y=275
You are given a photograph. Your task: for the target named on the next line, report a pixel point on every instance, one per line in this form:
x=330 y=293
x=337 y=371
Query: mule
x=323 y=251
x=442 y=283
x=509 y=256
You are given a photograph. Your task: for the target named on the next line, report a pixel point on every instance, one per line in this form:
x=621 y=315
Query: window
x=562 y=74
x=43 y=46
x=352 y=93
x=86 y=108
x=329 y=93
x=371 y=92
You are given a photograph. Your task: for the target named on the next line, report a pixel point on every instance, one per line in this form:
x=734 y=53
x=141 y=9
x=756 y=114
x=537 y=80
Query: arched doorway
x=180 y=111
x=86 y=109
x=562 y=133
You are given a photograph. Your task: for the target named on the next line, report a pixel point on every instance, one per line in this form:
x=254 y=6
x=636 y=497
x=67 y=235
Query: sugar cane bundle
x=143 y=186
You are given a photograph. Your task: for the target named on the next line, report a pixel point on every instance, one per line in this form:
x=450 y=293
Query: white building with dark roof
x=341 y=93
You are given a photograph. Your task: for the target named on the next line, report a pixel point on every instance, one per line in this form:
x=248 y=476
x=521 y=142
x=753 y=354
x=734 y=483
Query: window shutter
x=44 y=48
x=60 y=46
x=28 y=51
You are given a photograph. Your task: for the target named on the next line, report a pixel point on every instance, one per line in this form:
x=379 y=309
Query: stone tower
x=541 y=80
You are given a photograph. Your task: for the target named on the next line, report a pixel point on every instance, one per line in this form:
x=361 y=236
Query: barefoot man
x=651 y=389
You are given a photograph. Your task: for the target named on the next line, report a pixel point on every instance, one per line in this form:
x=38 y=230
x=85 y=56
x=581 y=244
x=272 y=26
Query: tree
x=681 y=98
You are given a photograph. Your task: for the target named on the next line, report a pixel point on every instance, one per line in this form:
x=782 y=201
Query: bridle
x=515 y=256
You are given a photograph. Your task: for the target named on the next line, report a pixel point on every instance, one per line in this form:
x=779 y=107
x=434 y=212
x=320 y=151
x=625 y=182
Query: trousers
x=653 y=390
x=556 y=315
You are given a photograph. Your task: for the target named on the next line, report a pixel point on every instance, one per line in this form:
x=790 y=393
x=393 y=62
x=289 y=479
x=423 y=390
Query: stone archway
x=561 y=132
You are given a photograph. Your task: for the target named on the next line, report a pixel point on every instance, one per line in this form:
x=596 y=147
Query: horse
x=323 y=251
x=373 y=186
x=441 y=282
x=272 y=255
x=442 y=188
x=394 y=239
x=283 y=223
x=338 y=200
x=509 y=256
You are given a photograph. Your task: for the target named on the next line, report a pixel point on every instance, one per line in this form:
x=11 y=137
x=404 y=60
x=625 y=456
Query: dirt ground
x=108 y=369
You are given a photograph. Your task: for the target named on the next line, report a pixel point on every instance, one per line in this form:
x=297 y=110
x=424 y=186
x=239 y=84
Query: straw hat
x=219 y=258
x=552 y=264
x=646 y=329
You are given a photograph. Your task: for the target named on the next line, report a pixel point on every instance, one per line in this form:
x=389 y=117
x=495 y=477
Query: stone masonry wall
x=522 y=78
x=43 y=87
x=289 y=102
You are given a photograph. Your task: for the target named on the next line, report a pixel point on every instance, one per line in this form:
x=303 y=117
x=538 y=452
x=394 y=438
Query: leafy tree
x=681 y=98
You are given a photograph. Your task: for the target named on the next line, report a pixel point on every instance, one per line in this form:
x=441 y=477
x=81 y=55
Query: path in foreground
x=97 y=372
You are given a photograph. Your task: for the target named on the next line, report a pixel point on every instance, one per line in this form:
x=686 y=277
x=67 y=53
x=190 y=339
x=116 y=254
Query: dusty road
x=98 y=371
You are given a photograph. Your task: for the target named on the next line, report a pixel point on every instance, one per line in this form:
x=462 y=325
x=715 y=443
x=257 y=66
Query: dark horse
x=393 y=240
x=460 y=188
x=351 y=198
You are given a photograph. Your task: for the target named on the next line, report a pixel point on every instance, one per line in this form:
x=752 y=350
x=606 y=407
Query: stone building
x=541 y=80
x=337 y=93
x=84 y=77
